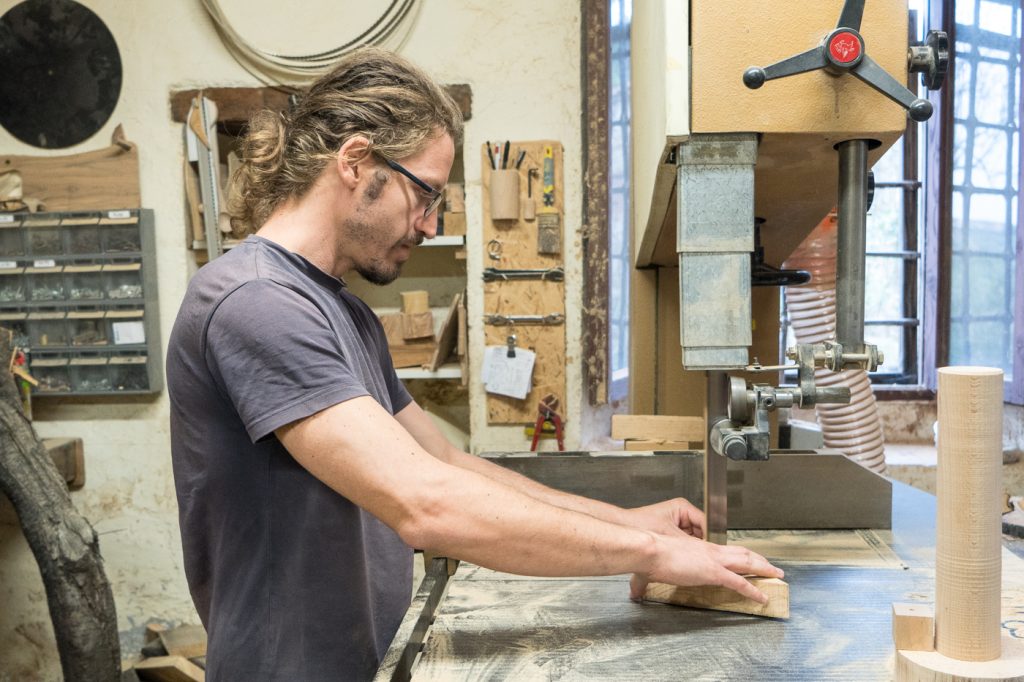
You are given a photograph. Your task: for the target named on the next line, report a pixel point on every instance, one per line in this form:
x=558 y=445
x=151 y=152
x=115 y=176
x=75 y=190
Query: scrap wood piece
x=913 y=627
x=415 y=301
x=724 y=599
x=447 y=340
x=169 y=669
x=657 y=427
x=99 y=180
x=417 y=325
x=188 y=641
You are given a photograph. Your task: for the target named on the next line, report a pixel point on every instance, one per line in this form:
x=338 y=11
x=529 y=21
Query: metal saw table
x=484 y=625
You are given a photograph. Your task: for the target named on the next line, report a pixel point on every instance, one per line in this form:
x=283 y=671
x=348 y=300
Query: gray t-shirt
x=292 y=580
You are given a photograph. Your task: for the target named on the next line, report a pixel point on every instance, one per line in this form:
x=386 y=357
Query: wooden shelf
x=448 y=371
x=440 y=240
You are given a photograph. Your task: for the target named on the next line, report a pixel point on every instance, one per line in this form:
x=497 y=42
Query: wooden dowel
x=967 y=552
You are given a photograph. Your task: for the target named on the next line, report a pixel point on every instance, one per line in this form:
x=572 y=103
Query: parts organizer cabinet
x=79 y=292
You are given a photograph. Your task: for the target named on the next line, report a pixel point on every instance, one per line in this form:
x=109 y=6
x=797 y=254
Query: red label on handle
x=844 y=47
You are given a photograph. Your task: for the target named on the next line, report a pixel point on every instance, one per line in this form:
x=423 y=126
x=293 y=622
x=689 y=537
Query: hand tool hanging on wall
x=548 y=421
x=507 y=320
x=549 y=222
x=497 y=274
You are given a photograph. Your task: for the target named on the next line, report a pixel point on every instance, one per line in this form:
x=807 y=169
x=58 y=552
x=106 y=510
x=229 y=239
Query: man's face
x=389 y=220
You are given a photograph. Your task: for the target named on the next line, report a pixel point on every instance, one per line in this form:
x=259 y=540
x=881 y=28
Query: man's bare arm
x=675 y=514
x=363 y=453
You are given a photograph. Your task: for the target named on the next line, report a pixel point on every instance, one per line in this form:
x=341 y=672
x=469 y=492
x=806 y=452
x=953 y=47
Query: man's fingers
x=744 y=587
x=743 y=561
x=637 y=587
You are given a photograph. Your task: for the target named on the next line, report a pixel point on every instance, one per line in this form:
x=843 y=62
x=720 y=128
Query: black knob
x=920 y=110
x=754 y=77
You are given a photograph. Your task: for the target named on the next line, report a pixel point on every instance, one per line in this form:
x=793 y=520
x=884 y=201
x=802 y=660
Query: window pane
x=885 y=220
x=993 y=95
x=989 y=221
x=889 y=339
x=991 y=155
x=883 y=289
x=985 y=179
x=987 y=280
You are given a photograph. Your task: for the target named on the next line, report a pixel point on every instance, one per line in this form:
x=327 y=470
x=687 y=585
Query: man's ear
x=350 y=164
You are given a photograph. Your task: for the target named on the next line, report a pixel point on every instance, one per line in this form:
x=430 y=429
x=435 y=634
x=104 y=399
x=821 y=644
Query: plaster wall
x=522 y=63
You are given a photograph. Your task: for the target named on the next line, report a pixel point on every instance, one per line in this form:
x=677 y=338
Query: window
x=986 y=292
x=619 y=205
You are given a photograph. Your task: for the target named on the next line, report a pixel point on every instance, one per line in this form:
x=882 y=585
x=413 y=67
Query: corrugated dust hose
x=853 y=429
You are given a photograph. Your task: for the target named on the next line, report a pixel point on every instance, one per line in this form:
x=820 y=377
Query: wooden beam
x=913 y=627
x=723 y=599
x=237 y=105
x=657 y=427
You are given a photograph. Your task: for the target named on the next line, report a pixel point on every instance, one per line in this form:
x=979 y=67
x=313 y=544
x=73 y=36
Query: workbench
x=495 y=626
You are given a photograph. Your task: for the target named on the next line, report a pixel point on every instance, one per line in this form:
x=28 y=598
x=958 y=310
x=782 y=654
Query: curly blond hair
x=371 y=92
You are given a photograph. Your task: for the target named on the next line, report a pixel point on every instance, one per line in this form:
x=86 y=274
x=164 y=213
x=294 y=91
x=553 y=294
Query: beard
x=377 y=269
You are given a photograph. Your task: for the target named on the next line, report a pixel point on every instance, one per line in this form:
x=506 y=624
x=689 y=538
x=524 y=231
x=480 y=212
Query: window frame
x=939 y=223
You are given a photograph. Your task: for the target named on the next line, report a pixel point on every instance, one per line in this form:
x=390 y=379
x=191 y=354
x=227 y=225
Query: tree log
x=63 y=542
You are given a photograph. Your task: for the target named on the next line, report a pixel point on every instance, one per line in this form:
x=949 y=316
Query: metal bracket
x=549 y=274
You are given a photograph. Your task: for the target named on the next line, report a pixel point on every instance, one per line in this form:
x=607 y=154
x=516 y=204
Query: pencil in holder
x=505 y=194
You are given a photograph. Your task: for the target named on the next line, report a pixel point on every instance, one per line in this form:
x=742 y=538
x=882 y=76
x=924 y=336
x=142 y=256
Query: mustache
x=414 y=241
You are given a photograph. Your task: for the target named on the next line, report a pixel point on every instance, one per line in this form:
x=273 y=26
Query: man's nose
x=427 y=225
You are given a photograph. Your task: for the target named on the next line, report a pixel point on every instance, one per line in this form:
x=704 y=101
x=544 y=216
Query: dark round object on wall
x=61 y=73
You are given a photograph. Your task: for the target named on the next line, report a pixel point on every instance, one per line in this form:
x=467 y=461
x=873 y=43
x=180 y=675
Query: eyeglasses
x=435 y=195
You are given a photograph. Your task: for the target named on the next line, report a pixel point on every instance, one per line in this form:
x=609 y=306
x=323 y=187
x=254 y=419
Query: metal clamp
x=509 y=320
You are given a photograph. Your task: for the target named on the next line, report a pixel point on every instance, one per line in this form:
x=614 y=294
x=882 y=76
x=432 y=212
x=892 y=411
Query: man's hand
x=688 y=561
x=671 y=517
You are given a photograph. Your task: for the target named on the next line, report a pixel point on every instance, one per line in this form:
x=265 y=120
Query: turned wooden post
x=968 y=549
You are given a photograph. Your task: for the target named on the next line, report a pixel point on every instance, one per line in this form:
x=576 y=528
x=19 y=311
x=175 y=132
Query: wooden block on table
x=913 y=627
x=415 y=302
x=657 y=427
x=660 y=445
x=417 y=325
x=723 y=599
x=185 y=640
x=169 y=669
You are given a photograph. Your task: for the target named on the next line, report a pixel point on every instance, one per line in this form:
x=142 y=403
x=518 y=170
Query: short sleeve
x=273 y=353
x=397 y=391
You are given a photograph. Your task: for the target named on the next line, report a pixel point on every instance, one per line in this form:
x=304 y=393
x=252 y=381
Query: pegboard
x=517 y=249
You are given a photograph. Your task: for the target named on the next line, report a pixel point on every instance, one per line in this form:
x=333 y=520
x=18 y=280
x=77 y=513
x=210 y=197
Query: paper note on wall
x=508 y=376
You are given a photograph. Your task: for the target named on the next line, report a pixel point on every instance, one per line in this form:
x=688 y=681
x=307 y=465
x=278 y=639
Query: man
x=304 y=470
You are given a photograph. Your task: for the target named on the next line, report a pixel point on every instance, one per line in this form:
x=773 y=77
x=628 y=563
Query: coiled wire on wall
x=390 y=29
x=854 y=429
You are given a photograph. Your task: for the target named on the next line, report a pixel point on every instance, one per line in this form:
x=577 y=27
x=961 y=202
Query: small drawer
x=121 y=236
x=47 y=329
x=126 y=327
x=17 y=322
x=83 y=238
x=44 y=238
x=52 y=375
x=128 y=373
x=89 y=375
x=123 y=282
x=12 y=285
x=12 y=240
x=84 y=282
x=87 y=328
x=45 y=284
